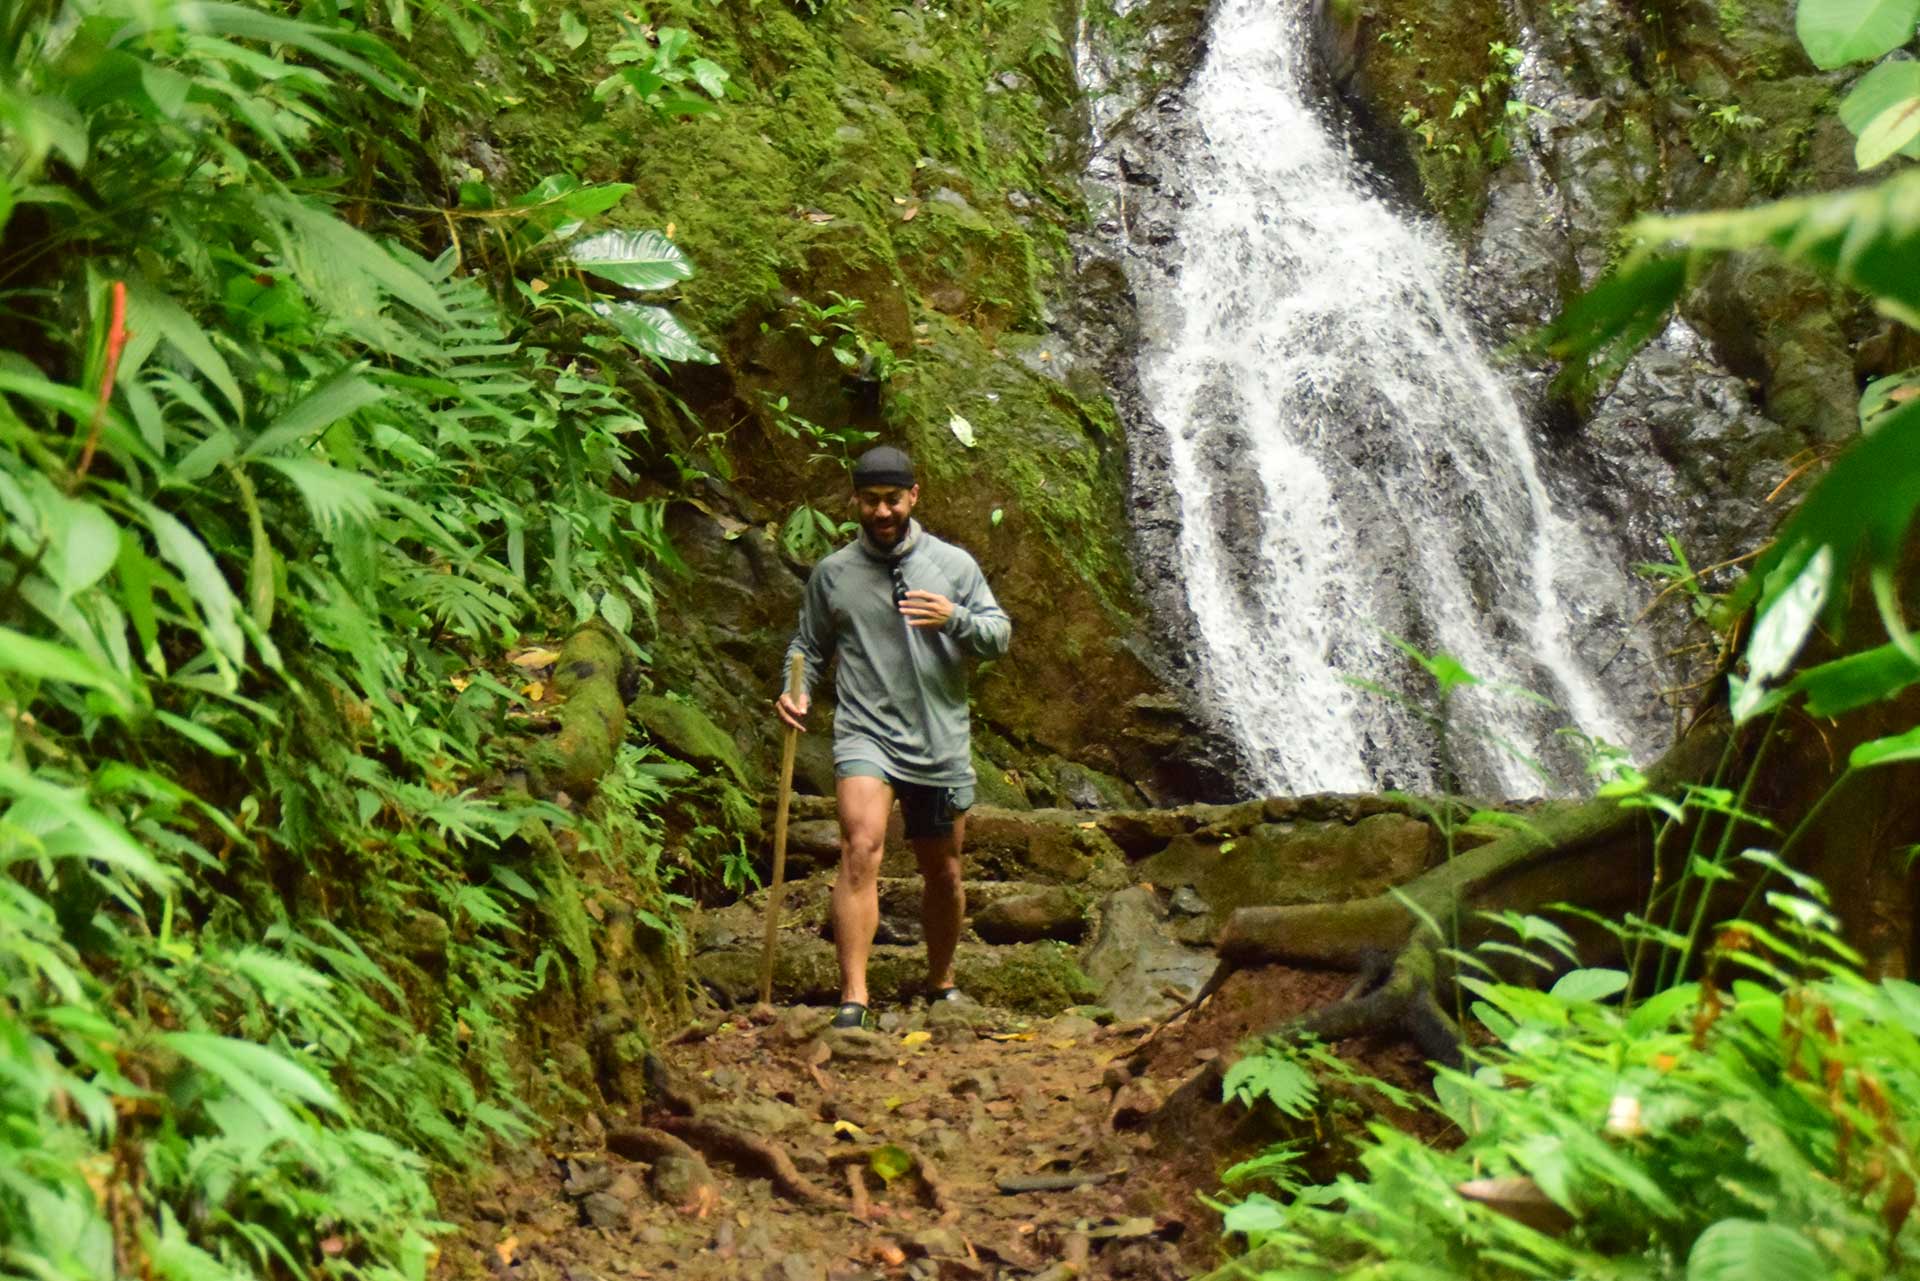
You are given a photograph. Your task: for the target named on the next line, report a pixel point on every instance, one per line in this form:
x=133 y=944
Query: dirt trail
x=970 y=1099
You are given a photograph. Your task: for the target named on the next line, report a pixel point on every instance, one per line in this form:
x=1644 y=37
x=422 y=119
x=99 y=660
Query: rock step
x=1037 y=978
x=998 y=912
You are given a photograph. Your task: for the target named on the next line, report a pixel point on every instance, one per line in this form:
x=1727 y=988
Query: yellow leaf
x=506 y=1249
x=460 y=682
x=899 y=200
x=537 y=285
x=893 y=1103
x=910 y=213
x=536 y=657
x=534 y=690
x=1008 y=1036
x=669 y=231
x=848 y=1129
x=916 y=1038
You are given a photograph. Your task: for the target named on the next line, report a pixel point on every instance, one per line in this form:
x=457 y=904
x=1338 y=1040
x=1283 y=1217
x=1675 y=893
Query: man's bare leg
x=943 y=900
x=864 y=804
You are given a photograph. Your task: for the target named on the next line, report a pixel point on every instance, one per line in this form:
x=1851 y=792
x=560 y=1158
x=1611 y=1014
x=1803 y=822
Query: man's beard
x=887 y=540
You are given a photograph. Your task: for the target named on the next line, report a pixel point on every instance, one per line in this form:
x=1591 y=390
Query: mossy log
x=593 y=717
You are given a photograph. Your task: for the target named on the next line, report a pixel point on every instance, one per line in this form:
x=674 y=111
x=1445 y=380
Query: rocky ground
x=952 y=1143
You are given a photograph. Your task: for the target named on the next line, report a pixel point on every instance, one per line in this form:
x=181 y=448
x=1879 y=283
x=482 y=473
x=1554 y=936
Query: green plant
x=835 y=443
x=1718 y=1126
x=279 y=461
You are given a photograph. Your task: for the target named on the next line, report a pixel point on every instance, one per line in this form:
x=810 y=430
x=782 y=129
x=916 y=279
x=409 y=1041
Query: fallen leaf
x=1046 y=355
x=1007 y=1036
x=537 y=285
x=461 y=683
x=910 y=213
x=506 y=1249
x=962 y=430
x=893 y=1103
x=899 y=200
x=669 y=231
x=888 y=1253
x=916 y=1038
x=532 y=658
x=333 y=1247
x=534 y=690
x=1089 y=825
x=848 y=1129
x=1519 y=1199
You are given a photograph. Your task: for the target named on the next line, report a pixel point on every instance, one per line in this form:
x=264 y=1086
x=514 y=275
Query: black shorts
x=927 y=810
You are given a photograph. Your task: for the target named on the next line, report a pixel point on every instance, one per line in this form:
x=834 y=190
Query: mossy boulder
x=683 y=730
x=1296 y=862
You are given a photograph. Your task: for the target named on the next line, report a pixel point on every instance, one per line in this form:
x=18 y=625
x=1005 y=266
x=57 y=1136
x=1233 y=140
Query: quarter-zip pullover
x=901 y=690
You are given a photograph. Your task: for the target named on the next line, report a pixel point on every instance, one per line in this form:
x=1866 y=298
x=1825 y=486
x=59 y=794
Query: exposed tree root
x=643 y=1143
x=763 y=1156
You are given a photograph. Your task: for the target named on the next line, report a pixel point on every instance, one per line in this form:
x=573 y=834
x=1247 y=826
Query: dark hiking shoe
x=851 y=1014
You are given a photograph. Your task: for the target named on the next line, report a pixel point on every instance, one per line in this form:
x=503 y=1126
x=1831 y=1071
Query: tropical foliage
x=285 y=448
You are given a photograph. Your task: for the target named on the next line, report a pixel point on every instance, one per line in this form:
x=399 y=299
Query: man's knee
x=860 y=854
x=940 y=866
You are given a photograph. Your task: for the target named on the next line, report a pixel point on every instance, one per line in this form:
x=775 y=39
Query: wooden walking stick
x=796 y=675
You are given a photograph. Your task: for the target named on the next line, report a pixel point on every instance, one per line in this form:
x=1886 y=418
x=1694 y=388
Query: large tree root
x=762 y=1156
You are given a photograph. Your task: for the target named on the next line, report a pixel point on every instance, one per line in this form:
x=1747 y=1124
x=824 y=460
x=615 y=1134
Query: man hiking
x=904 y=611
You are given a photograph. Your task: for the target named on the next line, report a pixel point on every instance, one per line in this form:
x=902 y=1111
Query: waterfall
x=1348 y=465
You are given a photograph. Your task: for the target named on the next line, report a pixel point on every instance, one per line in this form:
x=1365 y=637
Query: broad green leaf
x=1856 y=680
x=636 y=259
x=85 y=543
x=1746 y=1250
x=182 y=548
x=347 y=392
x=573 y=32
x=890 y=1161
x=1589 y=985
x=1836 y=32
x=1884 y=394
x=253 y=24
x=100 y=837
x=654 y=331
x=1654 y=1013
x=1792 y=606
x=709 y=75
x=44 y=660
x=1887 y=751
x=1259 y=1213
x=1891 y=132
x=1894 y=80
x=617 y=612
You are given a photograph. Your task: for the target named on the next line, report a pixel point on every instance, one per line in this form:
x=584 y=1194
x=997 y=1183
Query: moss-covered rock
x=1299 y=862
x=685 y=731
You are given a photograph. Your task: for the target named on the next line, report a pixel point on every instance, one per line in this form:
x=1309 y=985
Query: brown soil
x=1002 y=1098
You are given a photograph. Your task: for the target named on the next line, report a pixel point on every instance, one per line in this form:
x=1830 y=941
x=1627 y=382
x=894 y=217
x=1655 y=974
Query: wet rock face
x=1629 y=111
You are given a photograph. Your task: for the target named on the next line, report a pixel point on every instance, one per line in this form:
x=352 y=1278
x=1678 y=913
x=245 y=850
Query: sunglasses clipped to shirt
x=899 y=587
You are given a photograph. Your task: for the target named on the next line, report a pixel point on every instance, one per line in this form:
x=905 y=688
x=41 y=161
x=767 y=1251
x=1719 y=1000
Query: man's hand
x=794 y=710
x=925 y=609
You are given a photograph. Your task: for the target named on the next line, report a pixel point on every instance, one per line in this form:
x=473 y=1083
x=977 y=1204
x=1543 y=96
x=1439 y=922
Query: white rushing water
x=1348 y=465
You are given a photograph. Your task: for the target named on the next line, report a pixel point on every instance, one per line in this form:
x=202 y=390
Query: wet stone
x=796 y=1266
x=675 y=1179
x=604 y=1210
x=858 y=1045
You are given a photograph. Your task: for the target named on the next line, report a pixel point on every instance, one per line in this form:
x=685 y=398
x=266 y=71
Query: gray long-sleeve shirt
x=902 y=691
